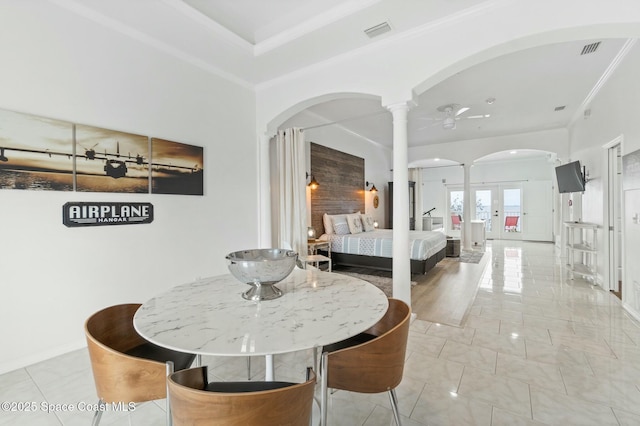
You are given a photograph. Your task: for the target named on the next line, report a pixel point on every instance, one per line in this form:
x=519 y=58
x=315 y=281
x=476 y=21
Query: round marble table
x=210 y=317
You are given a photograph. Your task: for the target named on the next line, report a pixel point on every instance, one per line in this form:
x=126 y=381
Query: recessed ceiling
x=253 y=41
x=256 y=21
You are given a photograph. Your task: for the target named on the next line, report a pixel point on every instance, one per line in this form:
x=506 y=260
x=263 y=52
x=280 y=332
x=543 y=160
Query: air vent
x=377 y=30
x=560 y=108
x=590 y=48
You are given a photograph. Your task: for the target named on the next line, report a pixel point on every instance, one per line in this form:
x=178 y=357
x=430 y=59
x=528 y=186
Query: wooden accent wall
x=341 y=179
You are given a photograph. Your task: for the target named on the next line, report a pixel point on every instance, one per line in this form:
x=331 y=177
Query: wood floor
x=443 y=295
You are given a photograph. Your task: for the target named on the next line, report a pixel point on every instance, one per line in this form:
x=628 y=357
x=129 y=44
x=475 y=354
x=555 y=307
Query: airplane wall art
x=39 y=153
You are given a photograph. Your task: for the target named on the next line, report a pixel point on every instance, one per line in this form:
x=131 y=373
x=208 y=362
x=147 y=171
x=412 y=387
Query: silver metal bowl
x=262 y=269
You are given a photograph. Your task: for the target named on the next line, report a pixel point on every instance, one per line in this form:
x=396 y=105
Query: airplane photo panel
x=111 y=161
x=176 y=168
x=36 y=153
x=40 y=153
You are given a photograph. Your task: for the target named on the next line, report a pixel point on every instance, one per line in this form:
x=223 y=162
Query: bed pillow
x=340 y=225
x=367 y=222
x=328 y=224
x=355 y=223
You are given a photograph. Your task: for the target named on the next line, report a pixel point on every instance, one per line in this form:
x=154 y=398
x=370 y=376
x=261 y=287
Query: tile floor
x=536 y=349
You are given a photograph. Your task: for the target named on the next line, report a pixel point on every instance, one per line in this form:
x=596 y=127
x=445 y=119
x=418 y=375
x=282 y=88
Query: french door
x=500 y=207
x=510 y=211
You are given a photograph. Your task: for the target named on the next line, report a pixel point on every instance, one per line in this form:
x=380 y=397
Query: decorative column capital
x=400 y=106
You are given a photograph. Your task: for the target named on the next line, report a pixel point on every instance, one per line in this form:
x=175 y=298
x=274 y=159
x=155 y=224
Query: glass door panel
x=487 y=210
x=483 y=207
x=512 y=212
x=456 y=208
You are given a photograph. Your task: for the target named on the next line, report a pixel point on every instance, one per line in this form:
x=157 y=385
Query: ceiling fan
x=452 y=113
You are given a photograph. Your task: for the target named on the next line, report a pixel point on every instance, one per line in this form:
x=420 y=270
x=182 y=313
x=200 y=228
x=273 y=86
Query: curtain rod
x=344 y=120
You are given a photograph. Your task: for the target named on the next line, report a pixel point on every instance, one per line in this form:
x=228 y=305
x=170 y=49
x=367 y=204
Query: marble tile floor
x=535 y=349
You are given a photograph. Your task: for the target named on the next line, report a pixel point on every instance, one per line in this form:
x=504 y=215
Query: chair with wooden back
x=195 y=401
x=371 y=362
x=126 y=367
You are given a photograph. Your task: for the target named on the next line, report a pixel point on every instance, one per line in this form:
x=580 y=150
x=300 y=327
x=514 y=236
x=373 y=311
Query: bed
x=372 y=248
x=340 y=194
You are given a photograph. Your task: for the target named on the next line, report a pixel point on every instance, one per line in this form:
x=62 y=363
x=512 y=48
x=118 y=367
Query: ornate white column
x=401 y=264
x=466 y=213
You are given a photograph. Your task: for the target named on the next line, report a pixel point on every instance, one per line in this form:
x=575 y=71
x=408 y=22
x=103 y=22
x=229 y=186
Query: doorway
x=500 y=207
x=614 y=206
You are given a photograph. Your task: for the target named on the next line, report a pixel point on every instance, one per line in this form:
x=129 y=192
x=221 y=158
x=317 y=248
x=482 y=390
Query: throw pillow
x=340 y=225
x=355 y=223
x=367 y=222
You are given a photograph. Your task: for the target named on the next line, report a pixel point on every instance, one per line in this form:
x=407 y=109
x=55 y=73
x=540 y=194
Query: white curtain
x=290 y=175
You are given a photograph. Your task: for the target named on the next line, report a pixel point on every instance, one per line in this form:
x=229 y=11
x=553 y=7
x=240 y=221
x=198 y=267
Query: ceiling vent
x=590 y=48
x=560 y=108
x=377 y=30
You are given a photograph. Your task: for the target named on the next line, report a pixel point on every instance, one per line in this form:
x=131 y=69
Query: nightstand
x=314 y=245
x=313 y=258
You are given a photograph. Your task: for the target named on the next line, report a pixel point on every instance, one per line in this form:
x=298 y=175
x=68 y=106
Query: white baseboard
x=16 y=364
x=635 y=314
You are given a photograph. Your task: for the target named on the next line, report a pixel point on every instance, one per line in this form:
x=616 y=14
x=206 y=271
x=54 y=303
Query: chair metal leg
x=323 y=389
x=170 y=369
x=248 y=368
x=98 y=414
x=394 y=406
x=316 y=367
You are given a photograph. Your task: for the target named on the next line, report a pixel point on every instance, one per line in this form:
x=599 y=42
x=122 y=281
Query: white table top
x=210 y=317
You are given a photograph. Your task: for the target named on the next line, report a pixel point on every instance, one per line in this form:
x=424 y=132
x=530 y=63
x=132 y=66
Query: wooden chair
x=511 y=223
x=371 y=362
x=126 y=367
x=456 y=221
x=195 y=401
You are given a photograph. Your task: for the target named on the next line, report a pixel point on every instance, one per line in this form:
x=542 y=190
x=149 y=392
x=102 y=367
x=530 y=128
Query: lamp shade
x=313 y=184
x=311 y=233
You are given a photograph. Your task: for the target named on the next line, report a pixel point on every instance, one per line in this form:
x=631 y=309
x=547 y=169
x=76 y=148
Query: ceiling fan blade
x=462 y=110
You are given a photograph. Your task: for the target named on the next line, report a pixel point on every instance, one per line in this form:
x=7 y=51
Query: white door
x=614 y=217
x=510 y=218
x=500 y=208
x=453 y=220
x=487 y=209
x=631 y=266
x=537 y=211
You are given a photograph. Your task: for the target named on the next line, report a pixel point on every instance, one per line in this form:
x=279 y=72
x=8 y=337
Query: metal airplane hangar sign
x=100 y=214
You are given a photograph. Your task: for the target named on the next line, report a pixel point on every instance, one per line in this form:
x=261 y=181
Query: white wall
x=59 y=65
x=511 y=171
x=468 y=151
x=434 y=189
x=377 y=159
x=614 y=113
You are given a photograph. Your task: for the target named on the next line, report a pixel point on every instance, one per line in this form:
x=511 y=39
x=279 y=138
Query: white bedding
x=422 y=244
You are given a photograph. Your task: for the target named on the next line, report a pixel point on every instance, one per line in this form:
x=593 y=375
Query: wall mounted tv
x=570 y=177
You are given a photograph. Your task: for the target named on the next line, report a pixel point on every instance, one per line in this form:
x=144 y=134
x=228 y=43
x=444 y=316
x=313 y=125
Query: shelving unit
x=581 y=240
